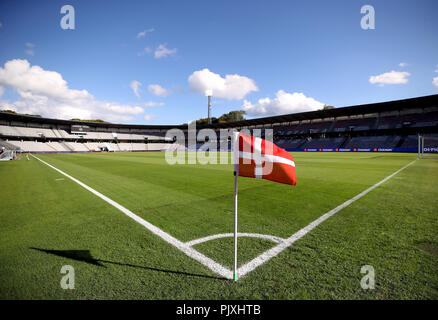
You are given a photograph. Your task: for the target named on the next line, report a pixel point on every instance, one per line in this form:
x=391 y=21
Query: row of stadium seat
x=358 y=124
x=14 y=131
x=410 y=141
x=54 y=146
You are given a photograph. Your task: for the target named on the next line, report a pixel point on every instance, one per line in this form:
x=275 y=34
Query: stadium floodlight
x=208 y=94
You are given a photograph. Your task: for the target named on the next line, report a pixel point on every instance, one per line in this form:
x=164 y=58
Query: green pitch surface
x=48 y=221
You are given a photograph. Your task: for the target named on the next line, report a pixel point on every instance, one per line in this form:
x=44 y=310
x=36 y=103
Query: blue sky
x=286 y=56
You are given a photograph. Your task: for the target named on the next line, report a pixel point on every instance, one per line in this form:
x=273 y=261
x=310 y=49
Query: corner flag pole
x=236 y=174
x=235 y=226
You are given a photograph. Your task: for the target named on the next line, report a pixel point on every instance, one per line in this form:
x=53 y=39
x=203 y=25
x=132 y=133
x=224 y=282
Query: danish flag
x=257 y=158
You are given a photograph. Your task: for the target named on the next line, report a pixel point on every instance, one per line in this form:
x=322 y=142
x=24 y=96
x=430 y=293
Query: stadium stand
x=324 y=143
x=410 y=141
x=366 y=142
x=388 y=122
x=392 y=125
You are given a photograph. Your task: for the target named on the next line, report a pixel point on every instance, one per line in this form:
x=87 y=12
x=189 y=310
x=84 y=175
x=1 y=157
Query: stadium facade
x=380 y=127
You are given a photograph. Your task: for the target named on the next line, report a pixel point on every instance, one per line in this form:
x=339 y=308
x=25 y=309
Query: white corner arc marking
x=211 y=264
x=240 y=234
x=192 y=253
x=269 y=254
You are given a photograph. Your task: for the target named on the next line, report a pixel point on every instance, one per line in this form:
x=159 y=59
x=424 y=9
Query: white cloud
x=46 y=93
x=5 y=105
x=153 y=104
x=144 y=32
x=20 y=75
x=135 y=86
x=149 y=117
x=146 y=50
x=30 y=51
x=283 y=103
x=435 y=82
x=393 y=77
x=158 y=90
x=162 y=52
x=233 y=86
x=402 y=64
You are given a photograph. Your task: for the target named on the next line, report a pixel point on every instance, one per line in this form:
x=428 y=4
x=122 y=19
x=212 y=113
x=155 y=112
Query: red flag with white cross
x=258 y=158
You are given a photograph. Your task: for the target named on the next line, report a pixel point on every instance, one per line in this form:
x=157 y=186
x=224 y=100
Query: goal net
x=6 y=155
x=428 y=146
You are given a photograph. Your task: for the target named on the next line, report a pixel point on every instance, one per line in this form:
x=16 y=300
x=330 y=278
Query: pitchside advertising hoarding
x=426 y=150
x=413 y=150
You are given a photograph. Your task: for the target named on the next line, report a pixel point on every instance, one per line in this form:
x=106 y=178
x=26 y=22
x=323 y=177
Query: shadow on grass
x=85 y=256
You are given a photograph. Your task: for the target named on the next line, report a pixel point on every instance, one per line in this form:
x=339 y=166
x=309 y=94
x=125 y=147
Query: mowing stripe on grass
x=269 y=254
x=192 y=253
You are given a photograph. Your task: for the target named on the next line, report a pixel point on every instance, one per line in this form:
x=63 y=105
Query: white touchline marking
x=192 y=253
x=211 y=264
x=269 y=254
x=243 y=234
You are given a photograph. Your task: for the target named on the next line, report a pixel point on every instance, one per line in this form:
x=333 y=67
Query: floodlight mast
x=209 y=93
x=209 y=109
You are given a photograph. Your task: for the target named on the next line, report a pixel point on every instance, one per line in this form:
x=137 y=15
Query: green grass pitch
x=47 y=221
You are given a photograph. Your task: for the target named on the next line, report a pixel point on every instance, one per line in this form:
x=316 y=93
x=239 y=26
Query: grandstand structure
x=43 y=135
x=387 y=126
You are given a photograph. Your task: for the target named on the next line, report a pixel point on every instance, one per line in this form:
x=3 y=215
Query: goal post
x=7 y=155
x=427 y=146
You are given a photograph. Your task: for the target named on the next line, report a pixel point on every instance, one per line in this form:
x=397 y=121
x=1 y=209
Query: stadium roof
x=397 y=105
